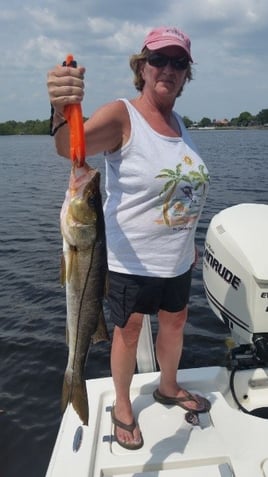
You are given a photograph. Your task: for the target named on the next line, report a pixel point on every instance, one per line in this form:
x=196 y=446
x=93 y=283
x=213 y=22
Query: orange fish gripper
x=74 y=117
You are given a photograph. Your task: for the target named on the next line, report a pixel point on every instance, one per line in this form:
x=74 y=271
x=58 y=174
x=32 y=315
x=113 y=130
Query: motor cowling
x=235 y=272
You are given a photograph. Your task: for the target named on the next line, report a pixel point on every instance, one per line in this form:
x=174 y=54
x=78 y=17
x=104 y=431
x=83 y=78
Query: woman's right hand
x=65 y=86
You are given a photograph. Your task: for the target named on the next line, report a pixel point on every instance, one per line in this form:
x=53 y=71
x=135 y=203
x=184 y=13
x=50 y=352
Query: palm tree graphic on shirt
x=189 y=183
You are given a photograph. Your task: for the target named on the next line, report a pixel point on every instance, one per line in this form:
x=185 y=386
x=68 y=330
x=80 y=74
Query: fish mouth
x=86 y=179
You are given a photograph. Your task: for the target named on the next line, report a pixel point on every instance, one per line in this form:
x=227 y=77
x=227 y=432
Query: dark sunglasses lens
x=159 y=61
x=180 y=63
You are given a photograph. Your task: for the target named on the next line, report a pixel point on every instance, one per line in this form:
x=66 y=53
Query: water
x=32 y=303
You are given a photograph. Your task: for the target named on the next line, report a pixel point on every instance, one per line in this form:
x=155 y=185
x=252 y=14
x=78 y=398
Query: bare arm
x=107 y=129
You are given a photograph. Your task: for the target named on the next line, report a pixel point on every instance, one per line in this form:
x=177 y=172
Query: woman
x=156 y=185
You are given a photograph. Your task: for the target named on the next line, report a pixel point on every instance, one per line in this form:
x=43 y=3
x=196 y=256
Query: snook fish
x=84 y=270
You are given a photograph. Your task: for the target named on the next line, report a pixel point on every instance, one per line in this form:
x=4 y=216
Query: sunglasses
x=159 y=60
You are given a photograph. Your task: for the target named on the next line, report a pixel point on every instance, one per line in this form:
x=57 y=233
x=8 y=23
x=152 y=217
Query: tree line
x=32 y=127
x=245 y=119
x=27 y=127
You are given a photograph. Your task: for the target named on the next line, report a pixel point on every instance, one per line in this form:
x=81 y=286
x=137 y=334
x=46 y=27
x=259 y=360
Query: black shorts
x=134 y=293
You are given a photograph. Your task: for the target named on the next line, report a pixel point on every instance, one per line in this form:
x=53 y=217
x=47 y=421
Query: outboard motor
x=235 y=275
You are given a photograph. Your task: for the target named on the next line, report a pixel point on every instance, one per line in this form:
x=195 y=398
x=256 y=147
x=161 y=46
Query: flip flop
x=126 y=427
x=180 y=401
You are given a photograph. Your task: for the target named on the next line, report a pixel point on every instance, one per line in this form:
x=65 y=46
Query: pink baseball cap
x=167 y=36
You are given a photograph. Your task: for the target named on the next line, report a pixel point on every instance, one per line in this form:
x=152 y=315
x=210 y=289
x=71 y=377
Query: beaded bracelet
x=52 y=131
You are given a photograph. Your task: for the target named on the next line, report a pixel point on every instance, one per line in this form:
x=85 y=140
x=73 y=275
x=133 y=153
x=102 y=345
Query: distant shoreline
x=190 y=128
x=225 y=128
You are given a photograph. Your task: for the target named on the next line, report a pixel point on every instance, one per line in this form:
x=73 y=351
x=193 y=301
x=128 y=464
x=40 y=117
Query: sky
x=229 y=48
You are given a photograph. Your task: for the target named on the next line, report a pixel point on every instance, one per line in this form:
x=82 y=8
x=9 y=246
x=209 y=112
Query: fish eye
x=91 y=200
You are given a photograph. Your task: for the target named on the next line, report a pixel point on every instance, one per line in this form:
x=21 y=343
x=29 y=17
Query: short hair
x=135 y=62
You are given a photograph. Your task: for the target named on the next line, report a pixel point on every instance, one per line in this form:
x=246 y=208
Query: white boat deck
x=226 y=443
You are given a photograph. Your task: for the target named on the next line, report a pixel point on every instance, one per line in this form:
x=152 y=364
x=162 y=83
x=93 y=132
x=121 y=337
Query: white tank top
x=156 y=188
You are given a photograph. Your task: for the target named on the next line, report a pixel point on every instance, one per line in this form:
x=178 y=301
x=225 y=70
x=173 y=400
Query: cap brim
x=156 y=45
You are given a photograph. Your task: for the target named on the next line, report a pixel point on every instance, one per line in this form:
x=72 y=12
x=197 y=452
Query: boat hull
x=226 y=442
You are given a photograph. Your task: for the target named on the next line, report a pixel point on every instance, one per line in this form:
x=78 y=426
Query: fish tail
x=77 y=395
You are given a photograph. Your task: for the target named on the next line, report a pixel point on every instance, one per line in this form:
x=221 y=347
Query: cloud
x=228 y=43
x=124 y=37
x=138 y=11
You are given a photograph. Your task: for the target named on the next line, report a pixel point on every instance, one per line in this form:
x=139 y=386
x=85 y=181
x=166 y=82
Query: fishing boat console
x=231 y=439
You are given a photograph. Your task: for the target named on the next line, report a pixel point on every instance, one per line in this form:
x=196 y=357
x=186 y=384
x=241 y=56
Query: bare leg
x=123 y=362
x=169 y=344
